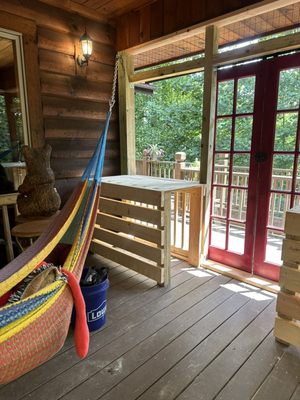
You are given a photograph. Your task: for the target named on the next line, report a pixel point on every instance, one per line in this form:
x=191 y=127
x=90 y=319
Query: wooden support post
x=126 y=115
x=7 y=235
x=6 y=200
x=180 y=158
x=145 y=163
x=195 y=226
x=209 y=101
x=167 y=237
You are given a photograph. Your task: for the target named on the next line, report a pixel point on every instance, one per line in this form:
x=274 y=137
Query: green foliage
x=171 y=117
x=4 y=130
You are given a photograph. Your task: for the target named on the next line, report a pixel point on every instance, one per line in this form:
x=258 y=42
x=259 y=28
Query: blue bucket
x=95 y=303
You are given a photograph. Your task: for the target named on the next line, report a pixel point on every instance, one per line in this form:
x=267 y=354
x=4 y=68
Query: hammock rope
x=33 y=329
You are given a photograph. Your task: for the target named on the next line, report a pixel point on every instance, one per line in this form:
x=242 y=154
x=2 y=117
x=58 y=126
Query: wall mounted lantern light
x=87 y=48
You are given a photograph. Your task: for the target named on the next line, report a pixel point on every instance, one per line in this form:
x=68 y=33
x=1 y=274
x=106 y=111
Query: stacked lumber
x=287 y=324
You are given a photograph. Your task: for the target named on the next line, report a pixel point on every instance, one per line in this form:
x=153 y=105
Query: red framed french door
x=233 y=186
x=279 y=179
x=255 y=163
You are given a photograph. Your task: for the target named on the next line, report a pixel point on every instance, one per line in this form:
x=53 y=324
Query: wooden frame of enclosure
x=209 y=63
x=133 y=226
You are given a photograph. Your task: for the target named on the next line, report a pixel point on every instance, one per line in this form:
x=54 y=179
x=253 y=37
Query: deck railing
x=179 y=169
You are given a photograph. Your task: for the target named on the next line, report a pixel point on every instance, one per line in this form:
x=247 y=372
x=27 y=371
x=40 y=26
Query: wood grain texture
x=157 y=339
x=288 y=305
x=65 y=102
x=290 y=279
x=140 y=265
x=166 y=17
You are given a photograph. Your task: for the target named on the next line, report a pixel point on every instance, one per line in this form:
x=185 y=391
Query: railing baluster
x=183 y=218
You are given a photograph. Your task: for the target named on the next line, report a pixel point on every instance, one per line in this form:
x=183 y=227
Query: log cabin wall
x=167 y=16
x=74 y=99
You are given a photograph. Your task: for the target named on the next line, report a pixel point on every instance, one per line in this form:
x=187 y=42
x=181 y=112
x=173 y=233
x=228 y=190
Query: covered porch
x=205 y=336
x=202 y=335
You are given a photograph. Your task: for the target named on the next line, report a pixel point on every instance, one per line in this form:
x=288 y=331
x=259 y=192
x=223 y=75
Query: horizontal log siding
x=74 y=100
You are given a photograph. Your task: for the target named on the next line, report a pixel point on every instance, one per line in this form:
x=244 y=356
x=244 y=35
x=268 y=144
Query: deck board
x=282 y=382
x=205 y=336
x=254 y=371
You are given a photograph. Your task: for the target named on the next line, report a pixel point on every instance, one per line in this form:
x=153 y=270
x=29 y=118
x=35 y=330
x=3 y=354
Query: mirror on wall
x=13 y=111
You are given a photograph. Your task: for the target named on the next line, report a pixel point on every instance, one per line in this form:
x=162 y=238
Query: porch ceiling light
x=87 y=48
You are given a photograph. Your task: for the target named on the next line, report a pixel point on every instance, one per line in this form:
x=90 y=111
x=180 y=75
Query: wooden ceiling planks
x=113 y=8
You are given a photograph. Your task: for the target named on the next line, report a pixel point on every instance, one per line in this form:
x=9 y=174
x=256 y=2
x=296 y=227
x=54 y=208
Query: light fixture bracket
x=82 y=61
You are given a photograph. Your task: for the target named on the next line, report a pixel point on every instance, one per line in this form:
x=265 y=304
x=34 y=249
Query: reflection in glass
x=236 y=238
x=274 y=247
x=223 y=134
x=296 y=201
x=225 y=97
x=238 y=204
x=245 y=95
x=243 y=133
x=286 y=131
x=218 y=233
x=240 y=169
x=279 y=203
x=221 y=168
x=282 y=172
x=289 y=89
x=219 y=205
x=298 y=176
x=11 y=126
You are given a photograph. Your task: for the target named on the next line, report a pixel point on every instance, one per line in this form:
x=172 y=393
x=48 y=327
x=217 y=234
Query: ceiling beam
x=222 y=20
x=76 y=8
x=187 y=67
x=271 y=46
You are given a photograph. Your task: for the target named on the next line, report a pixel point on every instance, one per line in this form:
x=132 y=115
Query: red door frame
x=273 y=68
x=241 y=261
x=267 y=74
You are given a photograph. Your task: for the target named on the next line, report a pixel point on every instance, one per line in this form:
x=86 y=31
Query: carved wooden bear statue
x=38 y=197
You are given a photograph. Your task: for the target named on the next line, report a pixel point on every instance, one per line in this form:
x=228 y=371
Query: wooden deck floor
x=205 y=336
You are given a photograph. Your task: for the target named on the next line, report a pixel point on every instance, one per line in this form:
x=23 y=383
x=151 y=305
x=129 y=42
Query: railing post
x=144 y=165
x=180 y=158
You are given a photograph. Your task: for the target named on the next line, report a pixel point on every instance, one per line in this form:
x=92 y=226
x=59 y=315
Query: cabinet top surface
x=151 y=183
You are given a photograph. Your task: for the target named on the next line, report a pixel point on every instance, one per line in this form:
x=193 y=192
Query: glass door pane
x=281 y=190
x=231 y=166
x=284 y=167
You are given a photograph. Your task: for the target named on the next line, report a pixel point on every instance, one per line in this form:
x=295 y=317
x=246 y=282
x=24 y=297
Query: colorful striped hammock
x=32 y=330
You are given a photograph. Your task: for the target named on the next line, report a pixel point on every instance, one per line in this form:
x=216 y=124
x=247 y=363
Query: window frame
x=26 y=31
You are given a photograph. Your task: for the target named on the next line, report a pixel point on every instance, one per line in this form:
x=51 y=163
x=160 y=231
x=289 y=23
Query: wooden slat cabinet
x=287 y=324
x=134 y=222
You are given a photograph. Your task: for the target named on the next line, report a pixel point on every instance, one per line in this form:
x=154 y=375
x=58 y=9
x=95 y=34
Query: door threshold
x=254 y=280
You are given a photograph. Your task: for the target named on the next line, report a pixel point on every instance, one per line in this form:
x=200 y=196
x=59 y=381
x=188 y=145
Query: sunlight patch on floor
x=198 y=272
x=247 y=292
